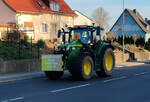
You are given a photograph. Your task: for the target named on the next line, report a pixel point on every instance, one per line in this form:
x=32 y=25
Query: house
x=133 y=24
x=39 y=19
x=81 y=19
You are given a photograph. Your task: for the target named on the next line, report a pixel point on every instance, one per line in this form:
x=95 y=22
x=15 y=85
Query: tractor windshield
x=81 y=35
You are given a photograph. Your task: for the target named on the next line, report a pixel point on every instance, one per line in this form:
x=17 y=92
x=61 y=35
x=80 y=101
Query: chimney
x=134 y=10
x=146 y=19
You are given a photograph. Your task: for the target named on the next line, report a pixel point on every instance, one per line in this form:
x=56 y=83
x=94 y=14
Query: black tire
x=54 y=75
x=104 y=71
x=76 y=68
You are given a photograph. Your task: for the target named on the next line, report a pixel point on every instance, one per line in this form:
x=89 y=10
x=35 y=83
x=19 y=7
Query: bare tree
x=135 y=37
x=110 y=36
x=101 y=17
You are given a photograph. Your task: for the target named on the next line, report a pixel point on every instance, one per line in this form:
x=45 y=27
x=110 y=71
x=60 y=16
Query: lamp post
x=123 y=33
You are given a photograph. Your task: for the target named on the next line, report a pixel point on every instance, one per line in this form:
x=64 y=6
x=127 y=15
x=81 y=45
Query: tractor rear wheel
x=107 y=63
x=81 y=68
x=54 y=75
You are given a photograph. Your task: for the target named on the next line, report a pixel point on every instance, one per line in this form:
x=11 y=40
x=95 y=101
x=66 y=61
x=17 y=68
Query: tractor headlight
x=73 y=48
x=68 y=48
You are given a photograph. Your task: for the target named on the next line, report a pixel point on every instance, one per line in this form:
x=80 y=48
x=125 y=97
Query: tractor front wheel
x=54 y=75
x=81 y=68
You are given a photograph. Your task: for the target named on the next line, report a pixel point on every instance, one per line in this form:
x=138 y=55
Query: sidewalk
x=129 y=64
x=21 y=76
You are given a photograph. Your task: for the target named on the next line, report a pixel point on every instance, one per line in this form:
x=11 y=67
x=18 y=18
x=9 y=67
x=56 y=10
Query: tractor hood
x=73 y=44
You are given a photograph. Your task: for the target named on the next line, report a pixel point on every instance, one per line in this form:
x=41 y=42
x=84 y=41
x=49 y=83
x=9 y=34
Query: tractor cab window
x=82 y=35
x=96 y=37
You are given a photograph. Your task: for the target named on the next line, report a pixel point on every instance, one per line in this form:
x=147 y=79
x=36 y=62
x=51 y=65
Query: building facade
x=130 y=24
x=81 y=19
x=39 y=19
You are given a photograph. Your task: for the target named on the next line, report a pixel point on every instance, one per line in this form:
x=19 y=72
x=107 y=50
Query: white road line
x=13 y=99
x=69 y=88
x=141 y=73
x=114 y=79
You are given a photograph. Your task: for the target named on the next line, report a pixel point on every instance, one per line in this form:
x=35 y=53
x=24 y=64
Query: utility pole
x=123 y=57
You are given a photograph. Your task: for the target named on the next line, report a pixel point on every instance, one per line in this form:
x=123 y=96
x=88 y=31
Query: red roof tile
x=33 y=6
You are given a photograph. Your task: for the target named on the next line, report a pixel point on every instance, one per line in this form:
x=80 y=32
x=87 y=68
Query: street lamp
x=123 y=33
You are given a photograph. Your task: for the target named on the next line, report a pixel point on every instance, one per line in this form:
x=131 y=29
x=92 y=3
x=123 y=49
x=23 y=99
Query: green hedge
x=10 y=51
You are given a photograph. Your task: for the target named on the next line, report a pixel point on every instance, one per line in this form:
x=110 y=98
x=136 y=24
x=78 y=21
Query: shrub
x=40 y=43
x=140 y=41
x=147 y=45
x=13 y=36
x=110 y=36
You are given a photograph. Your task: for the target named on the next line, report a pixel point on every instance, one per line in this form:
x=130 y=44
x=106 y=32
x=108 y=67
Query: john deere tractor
x=82 y=53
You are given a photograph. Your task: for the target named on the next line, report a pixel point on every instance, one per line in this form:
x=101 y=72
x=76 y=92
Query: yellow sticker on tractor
x=52 y=63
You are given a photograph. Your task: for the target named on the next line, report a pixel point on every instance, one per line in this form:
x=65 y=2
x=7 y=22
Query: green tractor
x=82 y=53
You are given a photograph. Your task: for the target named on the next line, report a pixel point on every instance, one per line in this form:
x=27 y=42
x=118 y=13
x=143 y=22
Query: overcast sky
x=113 y=7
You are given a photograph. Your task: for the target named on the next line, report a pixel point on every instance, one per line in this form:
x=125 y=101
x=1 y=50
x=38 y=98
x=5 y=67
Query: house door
x=53 y=32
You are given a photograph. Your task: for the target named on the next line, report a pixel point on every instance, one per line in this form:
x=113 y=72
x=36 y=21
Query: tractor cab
x=82 y=34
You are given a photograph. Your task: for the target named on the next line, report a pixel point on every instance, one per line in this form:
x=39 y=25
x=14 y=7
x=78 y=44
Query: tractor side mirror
x=98 y=31
x=59 y=33
x=64 y=36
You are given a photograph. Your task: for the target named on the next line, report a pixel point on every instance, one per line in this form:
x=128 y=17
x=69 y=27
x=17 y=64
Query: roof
x=84 y=15
x=33 y=7
x=138 y=19
x=148 y=22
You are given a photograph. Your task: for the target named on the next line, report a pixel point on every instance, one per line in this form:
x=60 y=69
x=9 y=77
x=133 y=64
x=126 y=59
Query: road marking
x=69 y=88
x=114 y=79
x=13 y=99
x=141 y=73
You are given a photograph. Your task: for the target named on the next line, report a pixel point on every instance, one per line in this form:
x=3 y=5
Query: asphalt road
x=128 y=84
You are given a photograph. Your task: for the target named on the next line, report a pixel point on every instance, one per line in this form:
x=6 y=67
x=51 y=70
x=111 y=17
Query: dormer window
x=55 y=6
x=40 y=4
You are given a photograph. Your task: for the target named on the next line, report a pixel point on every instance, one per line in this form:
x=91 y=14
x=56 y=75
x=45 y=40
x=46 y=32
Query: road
x=128 y=84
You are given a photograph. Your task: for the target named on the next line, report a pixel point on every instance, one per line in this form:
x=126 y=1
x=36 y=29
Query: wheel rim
x=87 y=68
x=109 y=62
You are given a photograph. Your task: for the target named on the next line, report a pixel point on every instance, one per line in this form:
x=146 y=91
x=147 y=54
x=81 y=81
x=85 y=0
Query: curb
x=129 y=64
x=21 y=76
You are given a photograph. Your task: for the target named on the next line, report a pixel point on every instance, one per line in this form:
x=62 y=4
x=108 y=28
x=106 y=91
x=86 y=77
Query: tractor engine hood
x=68 y=45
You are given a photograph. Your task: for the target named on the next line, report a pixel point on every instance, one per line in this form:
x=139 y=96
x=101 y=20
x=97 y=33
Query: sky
x=113 y=7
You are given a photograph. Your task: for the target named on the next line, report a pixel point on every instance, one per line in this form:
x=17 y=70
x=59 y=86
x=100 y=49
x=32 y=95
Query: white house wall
x=147 y=37
x=6 y=14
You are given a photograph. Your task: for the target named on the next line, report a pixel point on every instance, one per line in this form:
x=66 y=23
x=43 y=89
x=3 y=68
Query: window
x=44 y=27
x=120 y=28
x=40 y=4
x=28 y=27
x=54 y=6
x=28 y=30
